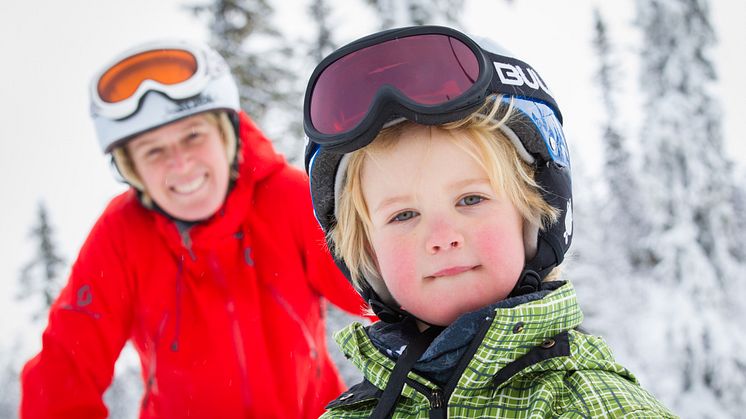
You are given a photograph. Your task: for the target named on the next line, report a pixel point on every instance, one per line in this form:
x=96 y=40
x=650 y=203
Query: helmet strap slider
x=384 y=312
x=529 y=282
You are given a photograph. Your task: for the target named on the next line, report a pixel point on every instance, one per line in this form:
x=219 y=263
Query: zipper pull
x=186 y=241
x=436 y=399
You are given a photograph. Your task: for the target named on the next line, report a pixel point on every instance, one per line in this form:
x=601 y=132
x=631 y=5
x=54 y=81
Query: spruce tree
x=692 y=224
x=624 y=212
x=323 y=44
x=319 y=12
x=394 y=13
x=40 y=282
x=40 y=278
x=260 y=58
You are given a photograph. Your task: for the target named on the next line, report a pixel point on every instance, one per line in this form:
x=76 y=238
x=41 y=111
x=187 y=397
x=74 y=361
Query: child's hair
x=489 y=147
x=126 y=166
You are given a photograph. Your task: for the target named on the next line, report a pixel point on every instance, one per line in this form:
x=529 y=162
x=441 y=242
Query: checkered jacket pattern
x=531 y=362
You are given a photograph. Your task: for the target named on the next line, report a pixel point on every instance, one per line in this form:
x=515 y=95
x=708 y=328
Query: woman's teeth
x=185 y=188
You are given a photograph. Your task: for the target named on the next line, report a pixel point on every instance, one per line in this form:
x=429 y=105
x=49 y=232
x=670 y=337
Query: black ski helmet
x=535 y=129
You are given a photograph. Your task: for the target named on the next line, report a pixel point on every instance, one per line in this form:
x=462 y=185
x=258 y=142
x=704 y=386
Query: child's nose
x=444 y=236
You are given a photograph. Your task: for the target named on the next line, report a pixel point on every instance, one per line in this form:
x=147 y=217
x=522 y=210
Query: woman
x=212 y=264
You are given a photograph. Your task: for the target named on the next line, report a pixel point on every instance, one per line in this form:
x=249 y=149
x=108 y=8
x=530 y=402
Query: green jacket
x=530 y=362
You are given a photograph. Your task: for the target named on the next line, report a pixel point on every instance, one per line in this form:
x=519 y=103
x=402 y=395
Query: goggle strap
x=516 y=78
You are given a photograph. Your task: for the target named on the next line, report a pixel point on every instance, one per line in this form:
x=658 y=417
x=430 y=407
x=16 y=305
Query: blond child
x=440 y=173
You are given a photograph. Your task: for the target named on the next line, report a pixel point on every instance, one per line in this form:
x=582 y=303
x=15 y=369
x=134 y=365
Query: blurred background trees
x=657 y=260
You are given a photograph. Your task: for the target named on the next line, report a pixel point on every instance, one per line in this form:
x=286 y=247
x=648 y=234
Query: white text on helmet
x=515 y=76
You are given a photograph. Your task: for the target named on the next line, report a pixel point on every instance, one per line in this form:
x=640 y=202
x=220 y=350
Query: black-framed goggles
x=428 y=74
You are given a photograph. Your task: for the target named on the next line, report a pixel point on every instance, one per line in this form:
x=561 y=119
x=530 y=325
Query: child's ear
x=530 y=239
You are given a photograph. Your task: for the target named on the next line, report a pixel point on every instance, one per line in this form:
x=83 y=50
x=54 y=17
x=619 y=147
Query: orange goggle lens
x=165 y=66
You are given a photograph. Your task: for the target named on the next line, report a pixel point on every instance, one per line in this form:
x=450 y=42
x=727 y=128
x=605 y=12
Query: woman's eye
x=404 y=216
x=153 y=152
x=470 y=200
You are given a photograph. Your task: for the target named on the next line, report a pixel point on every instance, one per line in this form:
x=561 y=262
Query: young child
x=440 y=174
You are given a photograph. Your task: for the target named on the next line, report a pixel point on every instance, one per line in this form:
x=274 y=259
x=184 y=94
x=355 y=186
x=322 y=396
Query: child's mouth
x=451 y=271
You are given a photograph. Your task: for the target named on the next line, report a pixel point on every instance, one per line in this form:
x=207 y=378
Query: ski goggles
x=428 y=74
x=178 y=71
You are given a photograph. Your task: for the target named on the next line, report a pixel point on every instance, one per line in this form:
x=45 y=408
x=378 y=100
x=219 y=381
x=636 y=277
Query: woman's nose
x=178 y=157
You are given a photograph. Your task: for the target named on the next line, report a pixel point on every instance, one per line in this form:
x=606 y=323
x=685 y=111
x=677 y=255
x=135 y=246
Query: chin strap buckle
x=384 y=313
x=529 y=282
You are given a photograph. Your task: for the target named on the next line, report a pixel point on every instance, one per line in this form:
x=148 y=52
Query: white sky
x=50 y=49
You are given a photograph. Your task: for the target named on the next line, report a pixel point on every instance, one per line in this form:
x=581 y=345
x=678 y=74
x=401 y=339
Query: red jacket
x=228 y=320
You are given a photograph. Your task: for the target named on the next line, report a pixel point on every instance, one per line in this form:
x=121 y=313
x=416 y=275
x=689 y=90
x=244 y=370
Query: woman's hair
x=126 y=166
x=489 y=147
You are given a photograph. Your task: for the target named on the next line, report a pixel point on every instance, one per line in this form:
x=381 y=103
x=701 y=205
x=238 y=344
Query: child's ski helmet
x=432 y=75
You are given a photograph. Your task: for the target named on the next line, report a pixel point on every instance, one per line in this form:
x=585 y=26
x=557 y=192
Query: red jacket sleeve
x=326 y=277
x=323 y=273
x=88 y=325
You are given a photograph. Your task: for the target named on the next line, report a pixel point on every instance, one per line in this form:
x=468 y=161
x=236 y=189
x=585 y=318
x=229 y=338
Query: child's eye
x=470 y=200
x=404 y=216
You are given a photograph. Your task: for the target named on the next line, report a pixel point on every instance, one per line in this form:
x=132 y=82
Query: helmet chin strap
x=548 y=255
x=386 y=313
x=390 y=312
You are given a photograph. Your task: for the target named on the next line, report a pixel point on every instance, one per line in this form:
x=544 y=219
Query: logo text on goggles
x=514 y=75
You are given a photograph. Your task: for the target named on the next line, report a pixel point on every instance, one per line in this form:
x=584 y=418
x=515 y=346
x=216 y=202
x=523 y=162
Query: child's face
x=445 y=241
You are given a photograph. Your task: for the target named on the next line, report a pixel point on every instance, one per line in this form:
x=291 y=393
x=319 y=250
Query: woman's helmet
x=432 y=75
x=157 y=83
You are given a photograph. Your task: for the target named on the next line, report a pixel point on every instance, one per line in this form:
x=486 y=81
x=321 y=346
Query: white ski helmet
x=156 y=83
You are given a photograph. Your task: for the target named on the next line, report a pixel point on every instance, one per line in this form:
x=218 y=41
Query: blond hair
x=485 y=142
x=126 y=166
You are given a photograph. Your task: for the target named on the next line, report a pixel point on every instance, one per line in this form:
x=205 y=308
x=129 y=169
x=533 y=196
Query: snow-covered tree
x=323 y=44
x=623 y=214
x=394 y=13
x=243 y=31
x=40 y=278
x=693 y=228
x=39 y=283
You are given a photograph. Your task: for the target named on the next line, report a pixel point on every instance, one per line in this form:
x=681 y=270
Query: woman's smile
x=188 y=187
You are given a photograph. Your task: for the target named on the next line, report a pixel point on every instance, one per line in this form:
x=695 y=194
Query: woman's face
x=445 y=242
x=183 y=166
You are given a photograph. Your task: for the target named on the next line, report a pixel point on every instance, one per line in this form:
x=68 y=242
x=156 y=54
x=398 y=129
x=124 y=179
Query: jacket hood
x=258 y=157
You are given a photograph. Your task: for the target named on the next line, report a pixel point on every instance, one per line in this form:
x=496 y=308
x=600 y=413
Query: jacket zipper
x=439 y=397
x=436 y=399
x=186 y=240
x=438 y=406
x=238 y=343
x=230 y=308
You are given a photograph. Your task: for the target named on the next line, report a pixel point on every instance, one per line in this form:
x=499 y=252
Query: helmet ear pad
x=126 y=167
x=530 y=239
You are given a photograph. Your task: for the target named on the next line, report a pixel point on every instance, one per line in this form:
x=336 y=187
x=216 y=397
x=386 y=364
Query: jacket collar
x=516 y=336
